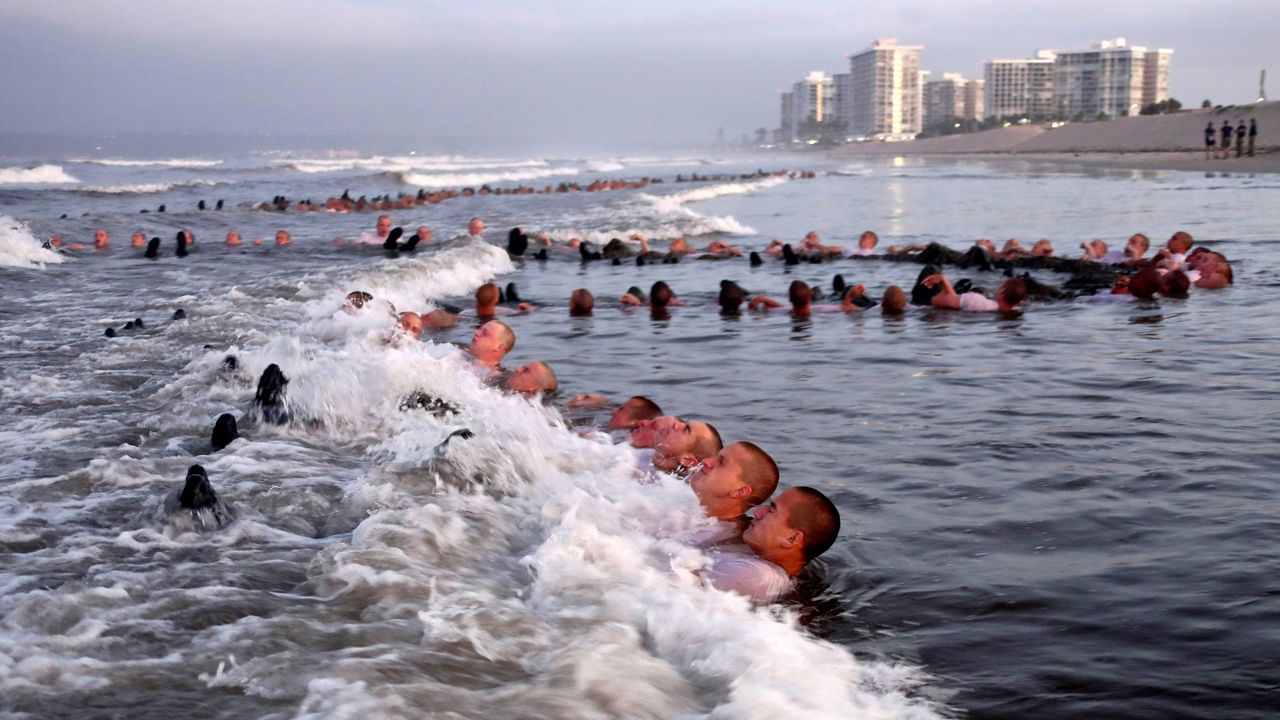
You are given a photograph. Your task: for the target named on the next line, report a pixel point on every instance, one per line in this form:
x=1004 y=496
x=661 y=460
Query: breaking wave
x=40 y=174
x=171 y=162
x=19 y=248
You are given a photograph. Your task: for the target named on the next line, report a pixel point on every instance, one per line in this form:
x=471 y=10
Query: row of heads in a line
x=183 y=242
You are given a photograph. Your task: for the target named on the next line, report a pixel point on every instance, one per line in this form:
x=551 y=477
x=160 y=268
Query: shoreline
x=1178 y=161
x=1150 y=142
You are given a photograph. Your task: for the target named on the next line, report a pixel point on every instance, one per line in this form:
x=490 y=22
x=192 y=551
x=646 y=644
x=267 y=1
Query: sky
x=557 y=75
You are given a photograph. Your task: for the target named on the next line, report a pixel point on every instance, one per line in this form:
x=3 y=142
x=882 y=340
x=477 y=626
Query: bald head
x=534 y=377
x=736 y=479
x=817 y=517
x=801 y=295
x=491 y=342
x=581 y=303
x=894 y=301
x=487 y=296
x=411 y=323
x=631 y=413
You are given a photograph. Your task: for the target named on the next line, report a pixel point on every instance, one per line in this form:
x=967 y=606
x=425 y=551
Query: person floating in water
x=1009 y=295
x=782 y=537
x=490 y=343
x=730 y=483
x=532 y=378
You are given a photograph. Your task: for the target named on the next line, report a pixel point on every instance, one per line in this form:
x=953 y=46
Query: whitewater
x=374 y=568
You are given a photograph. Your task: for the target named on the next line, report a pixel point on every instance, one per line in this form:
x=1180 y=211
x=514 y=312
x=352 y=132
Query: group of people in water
x=403 y=201
x=759 y=539
x=759 y=542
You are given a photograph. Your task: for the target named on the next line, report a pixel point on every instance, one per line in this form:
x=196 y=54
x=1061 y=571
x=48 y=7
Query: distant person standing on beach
x=1210 y=139
x=1226 y=139
x=1240 y=137
x=1253 y=133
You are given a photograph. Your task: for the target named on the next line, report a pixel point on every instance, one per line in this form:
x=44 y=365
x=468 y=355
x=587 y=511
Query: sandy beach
x=1158 y=142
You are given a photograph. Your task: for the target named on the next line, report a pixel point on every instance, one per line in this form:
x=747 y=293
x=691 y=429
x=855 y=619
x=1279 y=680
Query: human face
x=384 y=226
x=282 y=238
x=624 y=416
x=100 y=238
x=1042 y=248
x=1135 y=248
x=411 y=323
x=525 y=380
x=233 y=238
x=770 y=531
x=720 y=478
x=867 y=241
x=488 y=339
x=647 y=432
x=424 y=235
x=677 y=439
x=138 y=240
x=476 y=226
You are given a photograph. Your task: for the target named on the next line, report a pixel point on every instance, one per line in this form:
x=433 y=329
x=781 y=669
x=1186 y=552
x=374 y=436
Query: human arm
x=946 y=298
x=763 y=302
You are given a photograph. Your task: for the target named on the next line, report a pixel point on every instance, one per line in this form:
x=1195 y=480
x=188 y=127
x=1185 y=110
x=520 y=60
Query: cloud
x=231 y=24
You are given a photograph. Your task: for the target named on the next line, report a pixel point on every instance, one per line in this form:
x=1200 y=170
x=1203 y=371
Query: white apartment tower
x=885 y=93
x=810 y=101
x=952 y=98
x=1112 y=77
x=1020 y=88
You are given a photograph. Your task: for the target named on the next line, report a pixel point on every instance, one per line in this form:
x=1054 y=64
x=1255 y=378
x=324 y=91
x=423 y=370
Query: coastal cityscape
x=885 y=94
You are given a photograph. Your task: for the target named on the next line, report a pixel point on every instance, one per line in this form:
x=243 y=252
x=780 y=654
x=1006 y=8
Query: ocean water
x=1069 y=514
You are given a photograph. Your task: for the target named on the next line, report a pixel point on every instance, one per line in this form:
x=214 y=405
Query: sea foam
x=38 y=175
x=19 y=248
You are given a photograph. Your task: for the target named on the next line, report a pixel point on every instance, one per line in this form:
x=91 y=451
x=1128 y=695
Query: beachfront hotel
x=1020 y=88
x=881 y=98
x=952 y=99
x=883 y=93
x=1112 y=78
x=806 y=106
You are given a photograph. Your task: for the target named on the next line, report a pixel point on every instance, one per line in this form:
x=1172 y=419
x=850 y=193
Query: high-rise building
x=807 y=105
x=975 y=100
x=951 y=99
x=1111 y=78
x=885 y=94
x=1020 y=88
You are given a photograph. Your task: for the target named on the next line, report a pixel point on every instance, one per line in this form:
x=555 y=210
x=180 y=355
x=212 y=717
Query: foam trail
x=444 y=180
x=141 y=188
x=171 y=162
x=19 y=248
x=714 y=191
x=603 y=166
x=40 y=174
x=403 y=163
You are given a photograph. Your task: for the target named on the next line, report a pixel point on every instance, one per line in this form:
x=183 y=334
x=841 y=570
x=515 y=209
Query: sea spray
x=19 y=248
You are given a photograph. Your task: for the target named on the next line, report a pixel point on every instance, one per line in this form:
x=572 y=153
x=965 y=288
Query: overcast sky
x=554 y=74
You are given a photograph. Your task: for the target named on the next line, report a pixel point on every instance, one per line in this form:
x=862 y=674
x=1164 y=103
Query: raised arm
x=946 y=299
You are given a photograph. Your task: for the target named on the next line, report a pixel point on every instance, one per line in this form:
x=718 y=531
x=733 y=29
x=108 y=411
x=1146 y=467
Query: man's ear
x=740 y=492
x=688 y=460
x=794 y=538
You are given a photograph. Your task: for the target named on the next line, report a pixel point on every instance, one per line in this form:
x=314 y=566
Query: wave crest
x=19 y=248
x=40 y=174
